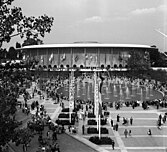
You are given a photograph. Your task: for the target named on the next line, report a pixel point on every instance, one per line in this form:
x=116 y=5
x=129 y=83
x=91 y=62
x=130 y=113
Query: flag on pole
x=86 y=56
x=24 y=57
x=63 y=57
x=91 y=57
x=42 y=59
x=18 y=55
x=100 y=103
x=51 y=58
x=96 y=60
x=96 y=98
x=101 y=84
x=76 y=58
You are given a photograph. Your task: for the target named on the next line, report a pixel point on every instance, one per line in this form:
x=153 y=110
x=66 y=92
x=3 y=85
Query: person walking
x=130 y=132
x=48 y=135
x=113 y=144
x=164 y=119
x=149 y=132
x=111 y=123
x=83 y=129
x=116 y=127
x=131 y=120
x=126 y=133
x=54 y=136
x=118 y=118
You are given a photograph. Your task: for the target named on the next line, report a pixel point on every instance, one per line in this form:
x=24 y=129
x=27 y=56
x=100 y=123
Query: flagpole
x=100 y=105
x=99 y=112
x=99 y=126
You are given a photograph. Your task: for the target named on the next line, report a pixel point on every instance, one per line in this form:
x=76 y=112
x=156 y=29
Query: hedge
x=66 y=110
x=91 y=115
x=93 y=122
x=101 y=141
x=65 y=122
x=95 y=131
x=106 y=113
x=63 y=115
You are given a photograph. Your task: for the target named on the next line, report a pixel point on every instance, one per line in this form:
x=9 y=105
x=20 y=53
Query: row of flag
x=98 y=83
x=63 y=58
x=71 y=93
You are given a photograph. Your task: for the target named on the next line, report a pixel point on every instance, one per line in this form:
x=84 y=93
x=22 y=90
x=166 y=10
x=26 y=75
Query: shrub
x=65 y=122
x=67 y=110
x=95 y=131
x=63 y=115
x=93 y=122
x=91 y=115
x=106 y=113
x=101 y=141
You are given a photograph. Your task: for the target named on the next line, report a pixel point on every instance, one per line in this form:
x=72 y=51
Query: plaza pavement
x=139 y=141
x=66 y=142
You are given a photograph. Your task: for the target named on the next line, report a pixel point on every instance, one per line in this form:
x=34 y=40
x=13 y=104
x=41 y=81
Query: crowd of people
x=14 y=83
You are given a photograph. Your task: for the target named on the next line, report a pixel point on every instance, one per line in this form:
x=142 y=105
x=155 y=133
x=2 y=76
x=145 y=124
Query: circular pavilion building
x=83 y=55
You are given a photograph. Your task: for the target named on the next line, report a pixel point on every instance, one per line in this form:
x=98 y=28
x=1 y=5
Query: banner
x=63 y=57
x=51 y=58
x=71 y=91
x=76 y=58
x=42 y=59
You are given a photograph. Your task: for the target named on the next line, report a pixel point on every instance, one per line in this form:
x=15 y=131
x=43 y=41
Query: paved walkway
x=67 y=142
x=139 y=141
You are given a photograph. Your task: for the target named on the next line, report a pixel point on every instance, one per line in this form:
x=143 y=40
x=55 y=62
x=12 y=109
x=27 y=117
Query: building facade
x=86 y=55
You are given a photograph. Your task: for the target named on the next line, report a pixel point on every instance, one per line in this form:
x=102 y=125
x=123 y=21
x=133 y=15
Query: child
x=149 y=132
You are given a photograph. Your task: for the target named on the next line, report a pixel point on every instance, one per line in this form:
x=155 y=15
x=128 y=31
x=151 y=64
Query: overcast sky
x=105 y=21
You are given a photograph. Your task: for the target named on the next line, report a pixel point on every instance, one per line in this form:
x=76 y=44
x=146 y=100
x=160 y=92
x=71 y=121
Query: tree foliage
x=13 y=21
x=22 y=136
x=138 y=61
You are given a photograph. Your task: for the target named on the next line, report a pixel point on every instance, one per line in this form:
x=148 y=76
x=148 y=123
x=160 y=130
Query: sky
x=104 y=21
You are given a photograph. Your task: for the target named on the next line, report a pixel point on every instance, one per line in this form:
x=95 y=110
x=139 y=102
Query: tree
x=12 y=53
x=22 y=136
x=32 y=41
x=138 y=62
x=13 y=21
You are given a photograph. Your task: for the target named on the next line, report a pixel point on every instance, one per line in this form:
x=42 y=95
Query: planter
x=95 y=131
x=67 y=110
x=93 y=122
x=91 y=115
x=101 y=141
x=65 y=122
x=63 y=115
x=106 y=113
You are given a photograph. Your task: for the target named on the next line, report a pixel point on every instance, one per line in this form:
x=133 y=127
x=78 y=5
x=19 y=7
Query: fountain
x=103 y=89
x=92 y=86
x=84 y=88
x=138 y=87
x=78 y=88
x=109 y=86
x=141 y=92
x=107 y=93
x=66 y=85
x=115 y=91
x=127 y=93
x=121 y=95
x=133 y=89
x=151 y=90
x=88 y=93
x=147 y=93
